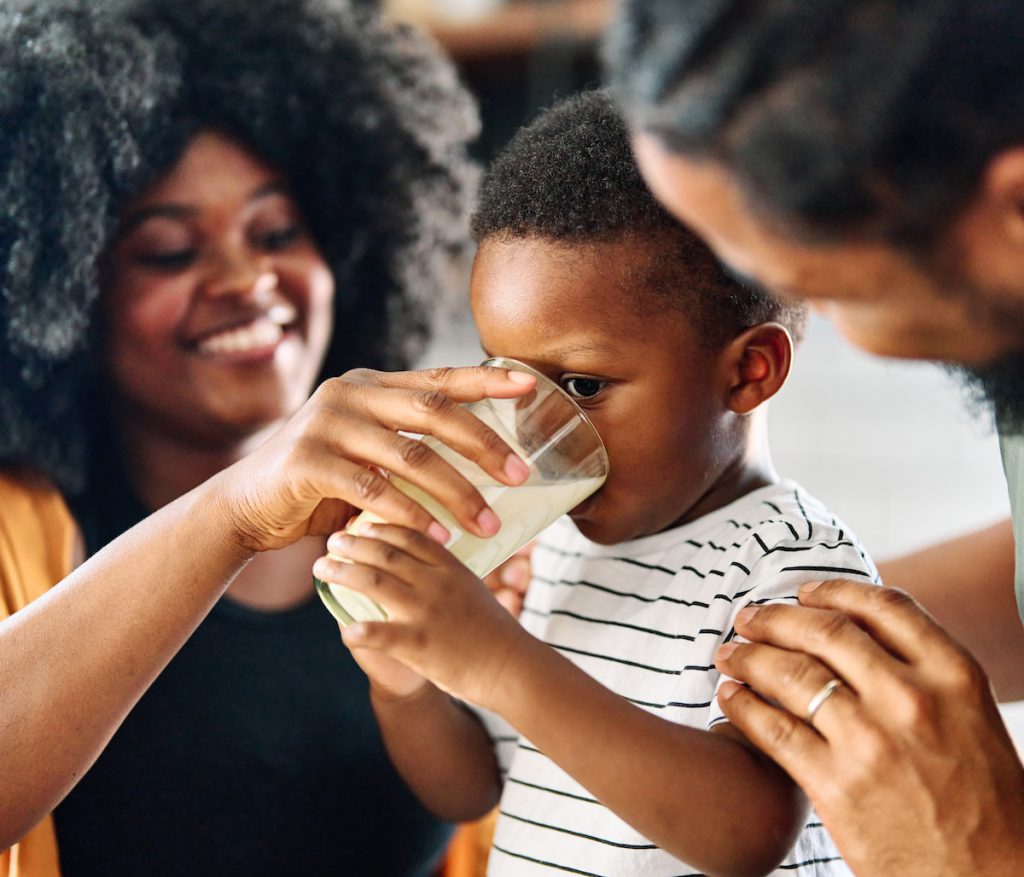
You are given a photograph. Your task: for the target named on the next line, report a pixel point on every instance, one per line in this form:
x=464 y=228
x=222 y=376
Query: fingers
x=891 y=616
x=793 y=744
x=375 y=635
x=792 y=680
x=812 y=635
x=363 y=488
x=380 y=586
x=464 y=384
x=398 y=550
x=361 y=423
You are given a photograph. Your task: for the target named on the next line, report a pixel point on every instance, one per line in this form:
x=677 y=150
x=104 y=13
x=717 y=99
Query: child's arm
x=705 y=797
x=438 y=747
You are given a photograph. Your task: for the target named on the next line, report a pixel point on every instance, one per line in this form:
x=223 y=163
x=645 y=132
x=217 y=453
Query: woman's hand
x=907 y=762
x=443 y=623
x=321 y=466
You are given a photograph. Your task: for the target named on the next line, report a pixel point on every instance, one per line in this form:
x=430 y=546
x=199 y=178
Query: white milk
x=524 y=511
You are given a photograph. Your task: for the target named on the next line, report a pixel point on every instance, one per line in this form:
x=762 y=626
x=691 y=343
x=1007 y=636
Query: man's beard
x=996 y=390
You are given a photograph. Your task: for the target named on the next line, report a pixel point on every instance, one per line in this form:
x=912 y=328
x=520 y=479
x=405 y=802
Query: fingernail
x=810 y=586
x=521 y=378
x=516 y=469
x=339 y=543
x=746 y=613
x=353 y=633
x=724 y=651
x=727 y=689
x=488 y=522
x=438 y=533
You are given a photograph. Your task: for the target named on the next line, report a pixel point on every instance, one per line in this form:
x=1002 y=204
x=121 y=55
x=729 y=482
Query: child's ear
x=759 y=360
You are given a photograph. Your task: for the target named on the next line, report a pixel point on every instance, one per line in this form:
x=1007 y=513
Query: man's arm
x=967 y=585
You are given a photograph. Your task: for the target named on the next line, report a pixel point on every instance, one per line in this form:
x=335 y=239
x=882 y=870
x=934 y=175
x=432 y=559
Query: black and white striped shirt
x=645 y=618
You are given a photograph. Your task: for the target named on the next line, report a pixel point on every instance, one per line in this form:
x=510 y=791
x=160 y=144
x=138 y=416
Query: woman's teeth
x=252 y=336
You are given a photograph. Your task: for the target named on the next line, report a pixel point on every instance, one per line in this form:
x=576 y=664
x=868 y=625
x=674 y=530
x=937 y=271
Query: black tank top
x=255 y=752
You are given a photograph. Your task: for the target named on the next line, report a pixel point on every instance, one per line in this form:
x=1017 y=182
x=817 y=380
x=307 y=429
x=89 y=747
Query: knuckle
x=965 y=678
x=440 y=376
x=374 y=578
x=355 y=376
x=431 y=402
x=492 y=442
x=389 y=555
x=876 y=754
x=831 y=629
x=778 y=734
x=368 y=485
x=891 y=599
x=413 y=453
x=796 y=674
x=916 y=708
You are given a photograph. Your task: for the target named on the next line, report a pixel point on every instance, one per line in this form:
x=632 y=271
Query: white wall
x=887 y=445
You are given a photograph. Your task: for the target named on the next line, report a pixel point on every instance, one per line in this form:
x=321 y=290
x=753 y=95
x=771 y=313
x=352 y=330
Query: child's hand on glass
x=443 y=622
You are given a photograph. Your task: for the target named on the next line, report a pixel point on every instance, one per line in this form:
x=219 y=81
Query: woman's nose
x=240 y=273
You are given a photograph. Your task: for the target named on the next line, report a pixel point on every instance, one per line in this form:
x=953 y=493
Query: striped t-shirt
x=645 y=618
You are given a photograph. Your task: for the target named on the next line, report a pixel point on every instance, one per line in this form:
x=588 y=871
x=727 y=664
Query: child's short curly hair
x=365 y=119
x=571 y=177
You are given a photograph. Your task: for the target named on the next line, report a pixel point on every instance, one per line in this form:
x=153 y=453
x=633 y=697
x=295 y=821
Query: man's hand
x=907 y=762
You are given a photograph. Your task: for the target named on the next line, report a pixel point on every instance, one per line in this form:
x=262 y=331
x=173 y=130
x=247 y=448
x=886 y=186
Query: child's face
x=657 y=398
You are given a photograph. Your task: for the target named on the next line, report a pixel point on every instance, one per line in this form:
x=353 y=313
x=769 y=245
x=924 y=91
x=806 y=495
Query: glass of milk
x=567 y=462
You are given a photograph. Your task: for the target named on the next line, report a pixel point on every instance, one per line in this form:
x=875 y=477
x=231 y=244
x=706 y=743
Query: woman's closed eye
x=168 y=260
x=580 y=387
x=279 y=238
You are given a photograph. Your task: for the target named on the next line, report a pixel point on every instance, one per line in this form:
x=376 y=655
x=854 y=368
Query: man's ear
x=758 y=361
x=987 y=239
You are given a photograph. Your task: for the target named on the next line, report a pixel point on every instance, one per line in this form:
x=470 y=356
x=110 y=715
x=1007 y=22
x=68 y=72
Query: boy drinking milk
x=604 y=738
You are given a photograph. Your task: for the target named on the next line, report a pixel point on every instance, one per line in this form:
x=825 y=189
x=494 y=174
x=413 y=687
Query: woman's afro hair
x=365 y=119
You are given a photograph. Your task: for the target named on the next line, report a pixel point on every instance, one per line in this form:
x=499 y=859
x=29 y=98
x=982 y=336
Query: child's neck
x=749 y=470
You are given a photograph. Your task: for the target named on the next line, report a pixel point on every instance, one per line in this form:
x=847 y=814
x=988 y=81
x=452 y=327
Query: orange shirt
x=37 y=537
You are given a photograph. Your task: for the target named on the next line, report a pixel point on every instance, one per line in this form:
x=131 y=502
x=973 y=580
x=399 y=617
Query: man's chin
x=996 y=390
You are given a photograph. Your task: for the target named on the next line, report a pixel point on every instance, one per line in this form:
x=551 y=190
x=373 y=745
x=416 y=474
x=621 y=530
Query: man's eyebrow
x=171 y=210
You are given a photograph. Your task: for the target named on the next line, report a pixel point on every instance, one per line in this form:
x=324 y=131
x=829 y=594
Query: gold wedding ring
x=824 y=693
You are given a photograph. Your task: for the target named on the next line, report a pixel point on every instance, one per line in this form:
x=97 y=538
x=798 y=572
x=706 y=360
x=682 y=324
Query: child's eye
x=582 y=388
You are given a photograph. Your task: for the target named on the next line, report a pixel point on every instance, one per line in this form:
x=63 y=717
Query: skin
x=852 y=281
x=239 y=467
x=908 y=763
x=646 y=383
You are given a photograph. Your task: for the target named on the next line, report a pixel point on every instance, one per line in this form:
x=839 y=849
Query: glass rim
x=529 y=369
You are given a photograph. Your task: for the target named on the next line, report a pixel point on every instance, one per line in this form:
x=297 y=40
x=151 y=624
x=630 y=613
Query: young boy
x=613 y=757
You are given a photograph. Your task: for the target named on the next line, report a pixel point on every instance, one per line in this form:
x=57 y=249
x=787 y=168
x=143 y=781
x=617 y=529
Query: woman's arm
x=75 y=661
x=967 y=584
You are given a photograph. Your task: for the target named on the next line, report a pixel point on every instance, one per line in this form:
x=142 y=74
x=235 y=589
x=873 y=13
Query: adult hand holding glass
x=320 y=468
x=910 y=747
x=307 y=478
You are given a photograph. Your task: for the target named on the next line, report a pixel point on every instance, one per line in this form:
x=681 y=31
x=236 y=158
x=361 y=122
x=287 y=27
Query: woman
x=204 y=207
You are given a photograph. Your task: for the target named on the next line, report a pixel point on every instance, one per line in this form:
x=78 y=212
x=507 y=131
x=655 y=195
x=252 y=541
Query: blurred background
x=889 y=446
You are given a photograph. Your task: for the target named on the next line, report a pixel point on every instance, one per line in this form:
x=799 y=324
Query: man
x=868 y=156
